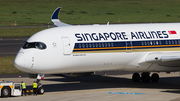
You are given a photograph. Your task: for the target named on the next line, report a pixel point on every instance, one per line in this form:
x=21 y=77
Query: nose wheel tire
x=41 y=90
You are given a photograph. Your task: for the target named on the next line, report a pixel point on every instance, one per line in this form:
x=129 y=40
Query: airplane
x=83 y=49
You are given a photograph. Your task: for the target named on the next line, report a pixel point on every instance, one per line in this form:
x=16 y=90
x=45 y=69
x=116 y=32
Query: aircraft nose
x=19 y=62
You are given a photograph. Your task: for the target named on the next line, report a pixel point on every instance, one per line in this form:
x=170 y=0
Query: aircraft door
x=66 y=46
x=128 y=46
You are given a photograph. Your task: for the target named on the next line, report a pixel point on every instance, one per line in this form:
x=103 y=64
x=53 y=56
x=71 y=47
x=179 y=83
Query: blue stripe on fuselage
x=123 y=45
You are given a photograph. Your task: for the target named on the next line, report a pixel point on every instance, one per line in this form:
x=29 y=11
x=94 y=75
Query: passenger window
x=112 y=44
x=99 y=44
x=90 y=45
x=102 y=44
x=159 y=42
x=169 y=42
x=83 y=45
x=105 y=44
x=79 y=45
x=93 y=45
x=151 y=42
x=156 y=42
x=96 y=44
x=109 y=45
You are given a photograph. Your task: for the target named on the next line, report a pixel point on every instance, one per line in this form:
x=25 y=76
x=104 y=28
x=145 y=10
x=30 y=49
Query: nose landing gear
x=40 y=89
x=145 y=77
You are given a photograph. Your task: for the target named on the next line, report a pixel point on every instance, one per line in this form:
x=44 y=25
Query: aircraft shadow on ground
x=100 y=82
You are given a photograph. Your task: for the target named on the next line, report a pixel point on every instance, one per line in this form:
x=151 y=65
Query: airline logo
x=123 y=36
x=172 y=34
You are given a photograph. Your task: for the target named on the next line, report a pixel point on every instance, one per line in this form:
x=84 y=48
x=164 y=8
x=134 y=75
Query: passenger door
x=66 y=46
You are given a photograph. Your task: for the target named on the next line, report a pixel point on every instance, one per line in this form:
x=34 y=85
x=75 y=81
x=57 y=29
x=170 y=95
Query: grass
x=7 y=67
x=38 y=12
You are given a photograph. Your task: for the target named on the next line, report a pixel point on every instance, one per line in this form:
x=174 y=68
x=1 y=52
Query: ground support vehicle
x=10 y=88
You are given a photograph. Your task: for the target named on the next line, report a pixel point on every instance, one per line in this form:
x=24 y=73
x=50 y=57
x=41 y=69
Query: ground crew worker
x=35 y=88
x=23 y=85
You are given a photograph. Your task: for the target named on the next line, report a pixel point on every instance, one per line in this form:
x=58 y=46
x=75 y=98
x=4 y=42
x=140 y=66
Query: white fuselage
x=91 y=48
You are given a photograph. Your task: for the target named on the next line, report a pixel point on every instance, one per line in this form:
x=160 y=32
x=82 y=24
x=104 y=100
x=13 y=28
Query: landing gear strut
x=40 y=88
x=145 y=77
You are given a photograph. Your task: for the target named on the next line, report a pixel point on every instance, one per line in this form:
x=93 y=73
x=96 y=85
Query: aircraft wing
x=55 y=18
x=170 y=59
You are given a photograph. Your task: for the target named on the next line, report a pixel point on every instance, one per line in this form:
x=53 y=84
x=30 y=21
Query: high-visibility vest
x=23 y=85
x=34 y=85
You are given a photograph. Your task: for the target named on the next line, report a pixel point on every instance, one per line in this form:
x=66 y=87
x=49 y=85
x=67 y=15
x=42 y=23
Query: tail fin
x=55 y=18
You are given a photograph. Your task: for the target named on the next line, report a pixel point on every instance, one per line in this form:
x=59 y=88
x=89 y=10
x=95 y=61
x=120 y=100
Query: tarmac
x=99 y=87
x=11 y=46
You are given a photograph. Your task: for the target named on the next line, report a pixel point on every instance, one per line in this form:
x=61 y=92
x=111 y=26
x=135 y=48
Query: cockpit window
x=37 y=45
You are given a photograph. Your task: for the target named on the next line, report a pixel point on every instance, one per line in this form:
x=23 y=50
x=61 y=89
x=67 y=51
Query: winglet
x=55 y=15
x=55 y=18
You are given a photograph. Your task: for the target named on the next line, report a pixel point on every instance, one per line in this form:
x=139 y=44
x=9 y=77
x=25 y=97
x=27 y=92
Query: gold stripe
x=155 y=46
x=156 y=49
x=129 y=50
x=59 y=12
